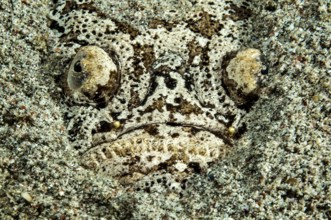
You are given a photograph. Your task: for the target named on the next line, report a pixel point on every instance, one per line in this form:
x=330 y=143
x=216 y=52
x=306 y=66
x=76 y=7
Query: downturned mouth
x=146 y=150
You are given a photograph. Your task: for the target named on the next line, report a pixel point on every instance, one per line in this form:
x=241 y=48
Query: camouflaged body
x=161 y=92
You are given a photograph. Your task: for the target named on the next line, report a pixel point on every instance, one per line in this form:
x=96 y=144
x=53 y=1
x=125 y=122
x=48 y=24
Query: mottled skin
x=170 y=113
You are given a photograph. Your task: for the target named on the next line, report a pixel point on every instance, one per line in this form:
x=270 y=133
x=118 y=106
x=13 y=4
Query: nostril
x=171 y=83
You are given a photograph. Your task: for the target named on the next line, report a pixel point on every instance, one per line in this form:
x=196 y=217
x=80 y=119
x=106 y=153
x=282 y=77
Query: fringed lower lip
x=146 y=150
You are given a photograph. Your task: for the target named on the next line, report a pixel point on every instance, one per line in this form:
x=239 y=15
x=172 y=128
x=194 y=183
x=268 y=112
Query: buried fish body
x=155 y=97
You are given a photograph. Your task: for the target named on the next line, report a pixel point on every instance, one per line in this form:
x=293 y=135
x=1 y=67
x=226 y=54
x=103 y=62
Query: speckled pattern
x=162 y=84
x=279 y=168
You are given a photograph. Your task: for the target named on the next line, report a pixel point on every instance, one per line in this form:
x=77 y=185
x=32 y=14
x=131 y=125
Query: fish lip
x=228 y=140
x=218 y=134
x=144 y=152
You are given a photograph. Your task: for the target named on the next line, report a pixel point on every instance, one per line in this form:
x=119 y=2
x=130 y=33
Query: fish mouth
x=110 y=132
x=155 y=128
x=176 y=149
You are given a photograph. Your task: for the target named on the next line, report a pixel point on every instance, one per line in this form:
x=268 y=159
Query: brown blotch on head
x=127 y=29
x=184 y=108
x=156 y=23
x=207 y=25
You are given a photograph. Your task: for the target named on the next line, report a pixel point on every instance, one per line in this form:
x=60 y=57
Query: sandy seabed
x=279 y=169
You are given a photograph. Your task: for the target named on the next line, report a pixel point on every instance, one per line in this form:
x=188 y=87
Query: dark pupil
x=77 y=67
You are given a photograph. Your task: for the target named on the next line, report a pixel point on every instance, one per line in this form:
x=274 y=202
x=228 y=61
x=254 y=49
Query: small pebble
x=27 y=196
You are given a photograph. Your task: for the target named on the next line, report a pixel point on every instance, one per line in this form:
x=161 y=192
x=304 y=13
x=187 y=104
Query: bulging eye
x=242 y=72
x=93 y=75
